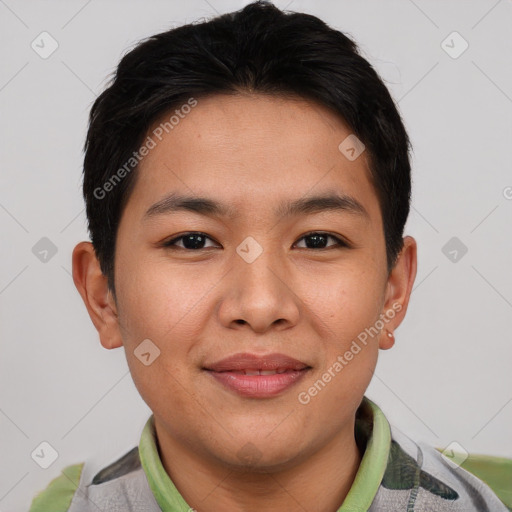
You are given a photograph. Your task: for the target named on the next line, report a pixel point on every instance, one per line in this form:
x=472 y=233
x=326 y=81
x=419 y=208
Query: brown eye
x=318 y=240
x=195 y=241
x=190 y=241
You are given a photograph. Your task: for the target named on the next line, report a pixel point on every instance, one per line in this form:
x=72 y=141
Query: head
x=247 y=182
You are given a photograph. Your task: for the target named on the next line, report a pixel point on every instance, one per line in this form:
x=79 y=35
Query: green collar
x=372 y=426
x=372 y=429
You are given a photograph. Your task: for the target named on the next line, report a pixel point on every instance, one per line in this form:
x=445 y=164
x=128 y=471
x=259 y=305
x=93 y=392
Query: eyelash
x=171 y=244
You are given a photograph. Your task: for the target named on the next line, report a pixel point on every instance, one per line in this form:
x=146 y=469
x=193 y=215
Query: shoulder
x=80 y=484
x=419 y=477
x=60 y=491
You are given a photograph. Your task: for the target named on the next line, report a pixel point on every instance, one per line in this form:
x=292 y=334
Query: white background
x=449 y=376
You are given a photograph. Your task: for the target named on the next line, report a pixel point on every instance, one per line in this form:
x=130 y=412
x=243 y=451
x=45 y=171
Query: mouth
x=259 y=372
x=256 y=376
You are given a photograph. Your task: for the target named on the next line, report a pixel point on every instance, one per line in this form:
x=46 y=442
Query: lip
x=246 y=361
x=230 y=373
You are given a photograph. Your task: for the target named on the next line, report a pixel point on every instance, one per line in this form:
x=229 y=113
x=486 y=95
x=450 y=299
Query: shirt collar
x=371 y=429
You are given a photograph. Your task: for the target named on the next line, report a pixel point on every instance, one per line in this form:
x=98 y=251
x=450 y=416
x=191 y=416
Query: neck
x=317 y=482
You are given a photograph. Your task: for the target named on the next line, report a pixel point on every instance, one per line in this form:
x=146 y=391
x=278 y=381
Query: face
x=253 y=277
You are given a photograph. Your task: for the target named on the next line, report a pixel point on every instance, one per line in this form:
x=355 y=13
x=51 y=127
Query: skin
x=201 y=305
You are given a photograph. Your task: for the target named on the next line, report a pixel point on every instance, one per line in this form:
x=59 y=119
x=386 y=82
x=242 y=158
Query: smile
x=256 y=376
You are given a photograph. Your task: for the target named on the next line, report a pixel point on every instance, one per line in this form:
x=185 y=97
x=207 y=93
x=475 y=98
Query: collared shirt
x=360 y=496
x=395 y=474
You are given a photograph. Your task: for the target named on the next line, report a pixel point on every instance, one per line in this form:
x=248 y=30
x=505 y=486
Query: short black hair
x=258 y=49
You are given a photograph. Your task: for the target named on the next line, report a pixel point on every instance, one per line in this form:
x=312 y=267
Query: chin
x=260 y=456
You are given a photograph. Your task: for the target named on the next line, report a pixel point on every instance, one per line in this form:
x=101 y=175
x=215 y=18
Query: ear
x=91 y=283
x=398 y=291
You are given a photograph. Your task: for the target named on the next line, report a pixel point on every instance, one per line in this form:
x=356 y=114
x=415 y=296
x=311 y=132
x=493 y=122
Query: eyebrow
x=331 y=201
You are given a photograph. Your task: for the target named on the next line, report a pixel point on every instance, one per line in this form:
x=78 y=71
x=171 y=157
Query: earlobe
x=398 y=291
x=387 y=340
x=92 y=285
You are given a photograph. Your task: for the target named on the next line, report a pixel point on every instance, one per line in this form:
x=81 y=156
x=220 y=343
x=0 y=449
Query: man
x=247 y=182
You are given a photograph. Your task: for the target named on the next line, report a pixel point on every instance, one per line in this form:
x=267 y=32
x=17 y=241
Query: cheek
x=351 y=312
x=348 y=302
x=161 y=306
x=166 y=306
x=154 y=299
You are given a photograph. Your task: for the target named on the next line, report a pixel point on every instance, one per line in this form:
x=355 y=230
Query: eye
x=196 y=241
x=318 y=240
x=191 y=241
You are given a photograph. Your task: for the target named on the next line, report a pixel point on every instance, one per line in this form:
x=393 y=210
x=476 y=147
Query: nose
x=259 y=294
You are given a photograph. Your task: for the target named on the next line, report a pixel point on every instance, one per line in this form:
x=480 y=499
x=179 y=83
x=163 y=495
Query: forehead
x=249 y=151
